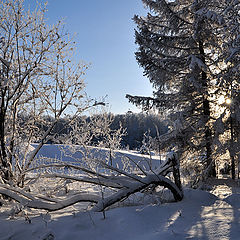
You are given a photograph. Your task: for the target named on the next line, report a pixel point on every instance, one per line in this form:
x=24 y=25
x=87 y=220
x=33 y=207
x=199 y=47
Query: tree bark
x=206 y=113
x=231 y=149
x=176 y=173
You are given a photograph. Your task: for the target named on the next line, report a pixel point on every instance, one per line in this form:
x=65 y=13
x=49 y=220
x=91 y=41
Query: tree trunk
x=206 y=113
x=5 y=172
x=231 y=149
x=176 y=173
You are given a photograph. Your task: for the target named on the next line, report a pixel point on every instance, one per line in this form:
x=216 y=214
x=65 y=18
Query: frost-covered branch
x=119 y=187
x=137 y=187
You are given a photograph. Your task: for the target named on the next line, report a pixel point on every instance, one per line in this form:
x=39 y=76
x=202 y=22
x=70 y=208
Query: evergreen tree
x=181 y=48
x=229 y=86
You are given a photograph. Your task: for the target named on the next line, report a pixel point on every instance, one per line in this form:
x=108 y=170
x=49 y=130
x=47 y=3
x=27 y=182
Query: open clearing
x=200 y=215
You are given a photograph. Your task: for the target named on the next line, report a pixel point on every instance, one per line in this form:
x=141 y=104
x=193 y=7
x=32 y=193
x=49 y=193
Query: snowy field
x=200 y=215
x=75 y=154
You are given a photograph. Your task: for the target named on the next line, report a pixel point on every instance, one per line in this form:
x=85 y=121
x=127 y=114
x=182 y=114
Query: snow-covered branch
x=123 y=183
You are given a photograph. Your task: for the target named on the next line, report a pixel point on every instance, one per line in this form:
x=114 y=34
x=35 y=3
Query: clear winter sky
x=105 y=36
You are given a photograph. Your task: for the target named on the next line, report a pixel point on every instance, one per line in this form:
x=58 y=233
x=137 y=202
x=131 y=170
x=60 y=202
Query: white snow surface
x=74 y=154
x=200 y=215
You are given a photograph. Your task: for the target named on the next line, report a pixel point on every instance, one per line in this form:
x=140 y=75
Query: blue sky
x=105 y=36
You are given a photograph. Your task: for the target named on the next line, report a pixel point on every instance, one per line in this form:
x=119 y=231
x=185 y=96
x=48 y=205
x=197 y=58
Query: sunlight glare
x=228 y=101
x=221 y=99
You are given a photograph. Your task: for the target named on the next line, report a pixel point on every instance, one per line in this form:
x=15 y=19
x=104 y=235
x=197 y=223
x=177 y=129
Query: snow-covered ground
x=200 y=215
x=120 y=158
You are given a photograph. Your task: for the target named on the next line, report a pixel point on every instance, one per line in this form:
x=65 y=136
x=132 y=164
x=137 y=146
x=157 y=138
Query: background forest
x=137 y=128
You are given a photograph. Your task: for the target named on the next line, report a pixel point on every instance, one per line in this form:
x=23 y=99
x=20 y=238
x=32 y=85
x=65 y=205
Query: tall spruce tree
x=181 y=49
x=229 y=85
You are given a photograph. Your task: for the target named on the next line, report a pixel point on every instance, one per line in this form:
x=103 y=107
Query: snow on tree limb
x=62 y=165
x=124 y=185
x=137 y=187
x=108 y=182
x=28 y=200
x=39 y=204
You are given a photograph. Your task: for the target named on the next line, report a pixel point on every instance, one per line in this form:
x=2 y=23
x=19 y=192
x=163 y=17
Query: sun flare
x=222 y=99
x=228 y=101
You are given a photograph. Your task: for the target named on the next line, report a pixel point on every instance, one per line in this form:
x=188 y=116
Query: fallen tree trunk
x=137 y=187
x=47 y=204
x=124 y=184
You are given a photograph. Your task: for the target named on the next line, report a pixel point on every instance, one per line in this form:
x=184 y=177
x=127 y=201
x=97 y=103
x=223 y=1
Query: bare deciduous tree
x=38 y=77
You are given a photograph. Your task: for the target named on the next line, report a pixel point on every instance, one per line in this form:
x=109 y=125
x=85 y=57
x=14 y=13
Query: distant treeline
x=136 y=125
